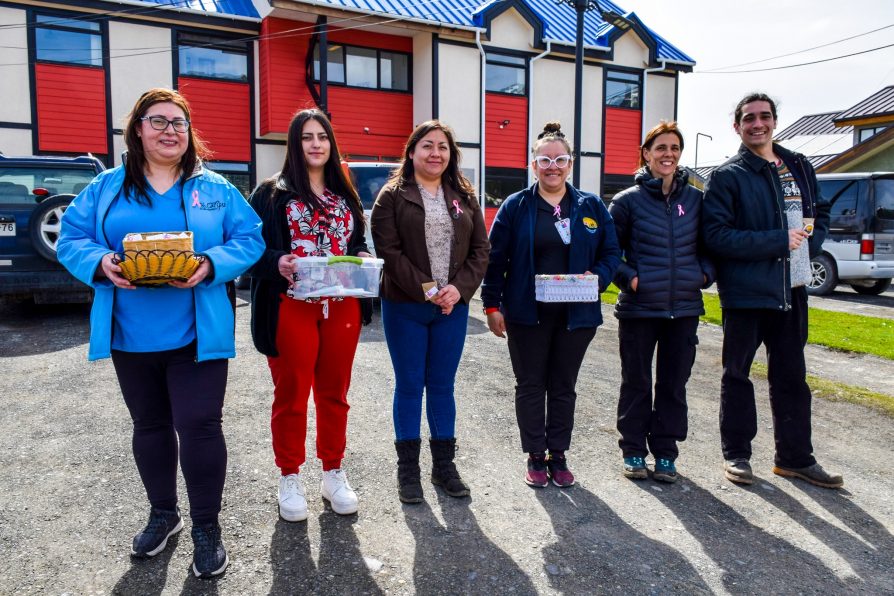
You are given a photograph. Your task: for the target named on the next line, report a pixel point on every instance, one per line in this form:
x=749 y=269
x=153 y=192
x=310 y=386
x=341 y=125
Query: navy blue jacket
x=509 y=281
x=746 y=231
x=660 y=240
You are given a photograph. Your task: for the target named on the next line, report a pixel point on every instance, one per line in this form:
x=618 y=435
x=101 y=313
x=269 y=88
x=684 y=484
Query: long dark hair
x=293 y=180
x=452 y=176
x=135 y=183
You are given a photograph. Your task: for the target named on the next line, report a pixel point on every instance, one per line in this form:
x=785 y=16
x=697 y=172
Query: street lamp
x=697 y=135
x=609 y=16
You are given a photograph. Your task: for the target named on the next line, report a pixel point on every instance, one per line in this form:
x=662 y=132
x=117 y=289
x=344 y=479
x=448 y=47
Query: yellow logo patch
x=590 y=224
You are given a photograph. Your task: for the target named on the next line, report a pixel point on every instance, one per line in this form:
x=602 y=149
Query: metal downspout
x=531 y=104
x=646 y=72
x=481 y=200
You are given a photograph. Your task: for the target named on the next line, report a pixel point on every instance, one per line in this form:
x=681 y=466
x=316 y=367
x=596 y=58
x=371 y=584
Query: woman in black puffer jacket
x=661 y=278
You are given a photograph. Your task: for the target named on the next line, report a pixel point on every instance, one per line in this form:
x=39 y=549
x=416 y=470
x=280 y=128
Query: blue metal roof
x=559 y=20
x=237 y=8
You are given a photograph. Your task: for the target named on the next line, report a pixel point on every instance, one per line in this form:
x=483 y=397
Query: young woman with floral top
x=308 y=209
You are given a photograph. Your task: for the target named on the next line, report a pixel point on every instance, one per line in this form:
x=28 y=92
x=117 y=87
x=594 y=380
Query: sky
x=721 y=33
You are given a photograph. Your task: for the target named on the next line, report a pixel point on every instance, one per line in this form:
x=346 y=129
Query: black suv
x=34 y=193
x=859 y=249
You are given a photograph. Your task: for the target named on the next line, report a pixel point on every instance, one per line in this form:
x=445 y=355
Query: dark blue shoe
x=163 y=524
x=665 y=470
x=210 y=557
x=635 y=468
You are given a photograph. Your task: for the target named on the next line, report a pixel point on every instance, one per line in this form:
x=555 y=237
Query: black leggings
x=172 y=396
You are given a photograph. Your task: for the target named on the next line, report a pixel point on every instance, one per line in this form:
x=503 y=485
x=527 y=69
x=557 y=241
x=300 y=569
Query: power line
x=831 y=43
x=797 y=65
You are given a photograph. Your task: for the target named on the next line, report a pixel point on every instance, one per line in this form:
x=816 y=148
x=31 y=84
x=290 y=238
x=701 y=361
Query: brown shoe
x=814 y=474
x=738 y=470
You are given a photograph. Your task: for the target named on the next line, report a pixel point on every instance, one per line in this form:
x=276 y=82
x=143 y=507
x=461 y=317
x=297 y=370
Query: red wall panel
x=283 y=89
x=221 y=116
x=622 y=140
x=388 y=116
x=71 y=109
x=506 y=147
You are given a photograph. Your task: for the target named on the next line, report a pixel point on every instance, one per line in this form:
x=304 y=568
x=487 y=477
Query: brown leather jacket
x=398 y=231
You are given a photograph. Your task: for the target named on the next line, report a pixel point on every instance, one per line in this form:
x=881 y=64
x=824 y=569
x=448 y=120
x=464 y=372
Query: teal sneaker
x=635 y=468
x=665 y=470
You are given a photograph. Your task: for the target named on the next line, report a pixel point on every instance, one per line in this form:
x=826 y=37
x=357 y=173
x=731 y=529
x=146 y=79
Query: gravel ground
x=71 y=498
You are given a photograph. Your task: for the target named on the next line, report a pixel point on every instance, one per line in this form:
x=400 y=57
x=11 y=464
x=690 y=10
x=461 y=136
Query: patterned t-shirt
x=438 y=234
x=794 y=213
x=322 y=233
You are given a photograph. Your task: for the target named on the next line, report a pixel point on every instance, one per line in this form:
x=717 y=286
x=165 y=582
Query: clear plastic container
x=569 y=287
x=322 y=277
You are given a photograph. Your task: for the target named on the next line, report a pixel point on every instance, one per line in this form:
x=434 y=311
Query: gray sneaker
x=814 y=474
x=738 y=470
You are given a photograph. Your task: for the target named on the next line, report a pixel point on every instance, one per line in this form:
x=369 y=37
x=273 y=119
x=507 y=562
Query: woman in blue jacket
x=661 y=278
x=549 y=228
x=169 y=344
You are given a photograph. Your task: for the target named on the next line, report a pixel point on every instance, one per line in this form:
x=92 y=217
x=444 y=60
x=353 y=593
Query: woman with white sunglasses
x=548 y=228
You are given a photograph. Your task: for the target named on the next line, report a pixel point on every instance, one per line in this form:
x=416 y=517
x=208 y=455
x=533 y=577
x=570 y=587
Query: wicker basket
x=157 y=261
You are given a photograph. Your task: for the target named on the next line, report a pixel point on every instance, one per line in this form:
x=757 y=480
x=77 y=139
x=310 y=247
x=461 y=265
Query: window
x=365 y=67
x=612 y=184
x=865 y=133
x=68 y=40
x=236 y=174
x=211 y=57
x=622 y=89
x=17 y=183
x=505 y=74
x=884 y=205
x=499 y=183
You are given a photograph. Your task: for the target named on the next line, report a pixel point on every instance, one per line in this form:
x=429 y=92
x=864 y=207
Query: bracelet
x=490 y=309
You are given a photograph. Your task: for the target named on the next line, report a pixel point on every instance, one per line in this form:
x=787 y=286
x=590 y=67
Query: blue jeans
x=425 y=348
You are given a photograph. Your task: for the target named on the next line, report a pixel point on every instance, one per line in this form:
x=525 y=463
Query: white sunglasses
x=561 y=161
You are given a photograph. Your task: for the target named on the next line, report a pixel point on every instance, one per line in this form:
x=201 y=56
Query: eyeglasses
x=161 y=123
x=561 y=161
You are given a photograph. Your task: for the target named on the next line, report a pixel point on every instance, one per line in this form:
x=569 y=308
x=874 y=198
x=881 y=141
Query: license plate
x=8 y=228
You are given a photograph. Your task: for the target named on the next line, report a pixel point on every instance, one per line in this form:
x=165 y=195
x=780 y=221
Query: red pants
x=314 y=353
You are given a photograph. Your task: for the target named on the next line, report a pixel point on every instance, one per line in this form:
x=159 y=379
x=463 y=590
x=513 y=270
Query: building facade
x=495 y=71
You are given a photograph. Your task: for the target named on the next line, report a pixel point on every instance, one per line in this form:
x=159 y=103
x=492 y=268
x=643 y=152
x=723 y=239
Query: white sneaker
x=338 y=492
x=292 y=503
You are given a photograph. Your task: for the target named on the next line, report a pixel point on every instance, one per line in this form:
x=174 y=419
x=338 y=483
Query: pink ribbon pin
x=195 y=199
x=456 y=206
x=680 y=211
x=557 y=211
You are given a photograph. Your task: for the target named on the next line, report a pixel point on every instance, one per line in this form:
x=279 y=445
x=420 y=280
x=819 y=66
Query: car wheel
x=46 y=224
x=823 y=277
x=873 y=288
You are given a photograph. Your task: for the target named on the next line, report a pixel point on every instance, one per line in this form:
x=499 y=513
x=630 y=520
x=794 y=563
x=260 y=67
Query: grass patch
x=835 y=330
x=835 y=391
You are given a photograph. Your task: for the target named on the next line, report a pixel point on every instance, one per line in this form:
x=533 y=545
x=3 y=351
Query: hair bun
x=553 y=129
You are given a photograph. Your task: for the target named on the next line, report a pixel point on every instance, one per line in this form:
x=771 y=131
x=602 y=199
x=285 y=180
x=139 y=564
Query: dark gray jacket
x=660 y=240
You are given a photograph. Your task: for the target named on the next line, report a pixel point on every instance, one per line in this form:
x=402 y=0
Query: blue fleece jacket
x=225 y=229
x=509 y=281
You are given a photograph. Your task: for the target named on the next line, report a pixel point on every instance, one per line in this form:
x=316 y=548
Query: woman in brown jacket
x=428 y=227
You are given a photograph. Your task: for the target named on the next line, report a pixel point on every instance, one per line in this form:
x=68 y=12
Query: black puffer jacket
x=660 y=240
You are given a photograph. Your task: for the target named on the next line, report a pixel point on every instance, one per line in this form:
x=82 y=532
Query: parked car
x=369 y=177
x=859 y=249
x=34 y=194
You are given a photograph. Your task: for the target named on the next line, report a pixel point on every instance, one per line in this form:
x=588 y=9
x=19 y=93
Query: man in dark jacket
x=762 y=220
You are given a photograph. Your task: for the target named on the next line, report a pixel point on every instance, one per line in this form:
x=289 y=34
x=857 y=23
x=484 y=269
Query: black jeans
x=664 y=424
x=170 y=396
x=546 y=359
x=784 y=333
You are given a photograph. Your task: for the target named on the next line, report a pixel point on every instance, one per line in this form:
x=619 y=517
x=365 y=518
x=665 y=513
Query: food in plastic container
x=567 y=287
x=342 y=276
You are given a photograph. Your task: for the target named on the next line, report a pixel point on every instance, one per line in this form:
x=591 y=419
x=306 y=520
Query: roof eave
x=390 y=16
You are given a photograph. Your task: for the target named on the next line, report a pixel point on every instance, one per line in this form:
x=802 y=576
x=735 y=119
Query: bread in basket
x=156 y=258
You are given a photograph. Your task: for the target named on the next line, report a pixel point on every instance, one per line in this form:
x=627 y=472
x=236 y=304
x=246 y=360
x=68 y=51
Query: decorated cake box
x=568 y=287
x=321 y=277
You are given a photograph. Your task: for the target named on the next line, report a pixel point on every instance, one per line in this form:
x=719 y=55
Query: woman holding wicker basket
x=550 y=229
x=309 y=209
x=170 y=342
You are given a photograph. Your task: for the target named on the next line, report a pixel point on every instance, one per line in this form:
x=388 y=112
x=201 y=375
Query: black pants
x=784 y=333
x=170 y=395
x=546 y=359
x=664 y=424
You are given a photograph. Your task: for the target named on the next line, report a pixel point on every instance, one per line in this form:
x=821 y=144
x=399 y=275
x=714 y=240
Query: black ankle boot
x=409 y=484
x=443 y=471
